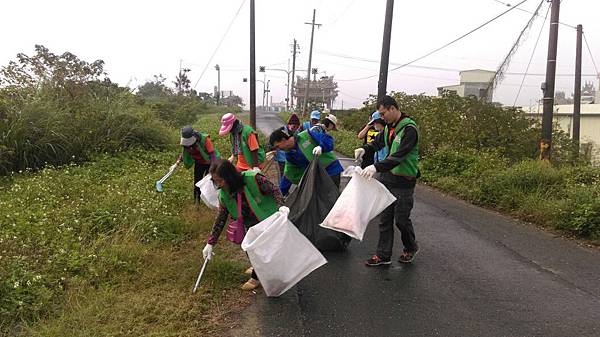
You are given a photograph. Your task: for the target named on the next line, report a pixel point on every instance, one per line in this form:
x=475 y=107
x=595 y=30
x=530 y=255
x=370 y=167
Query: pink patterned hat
x=226 y=123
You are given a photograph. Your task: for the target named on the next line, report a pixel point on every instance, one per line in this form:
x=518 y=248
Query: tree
x=155 y=88
x=561 y=98
x=182 y=83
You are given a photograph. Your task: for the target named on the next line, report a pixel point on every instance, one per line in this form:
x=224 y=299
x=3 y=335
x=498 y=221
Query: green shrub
x=57 y=109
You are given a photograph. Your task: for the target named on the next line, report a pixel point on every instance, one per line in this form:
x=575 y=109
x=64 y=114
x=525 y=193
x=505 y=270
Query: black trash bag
x=310 y=203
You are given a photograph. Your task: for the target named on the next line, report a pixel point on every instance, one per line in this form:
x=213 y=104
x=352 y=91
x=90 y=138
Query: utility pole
x=267 y=91
x=252 y=68
x=546 y=142
x=294 y=74
x=287 y=99
x=577 y=92
x=312 y=36
x=385 y=49
x=218 y=82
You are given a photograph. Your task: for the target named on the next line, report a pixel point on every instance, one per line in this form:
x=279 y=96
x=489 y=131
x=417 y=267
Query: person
x=293 y=125
x=244 y=144
x=300 y=150
x=197 y=151
x=367 y=135
x=259 y=199
x=329 y=124
x=315 y=119
x=378 y=125
x=398 y=172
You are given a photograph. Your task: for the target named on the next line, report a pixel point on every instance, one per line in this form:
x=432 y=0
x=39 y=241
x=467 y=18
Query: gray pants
x=398 y=213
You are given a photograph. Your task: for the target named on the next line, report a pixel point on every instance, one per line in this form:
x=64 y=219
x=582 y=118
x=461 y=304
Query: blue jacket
x=296 y=157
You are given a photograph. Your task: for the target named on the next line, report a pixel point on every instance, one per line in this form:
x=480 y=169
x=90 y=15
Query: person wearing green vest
x=245 y=149
x=300 y=150
x=398 y=172
x=197 y=151
x=258 y=198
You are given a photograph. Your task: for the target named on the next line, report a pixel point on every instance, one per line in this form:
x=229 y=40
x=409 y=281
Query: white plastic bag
x=279 y=253
x=209 y=193
x=360 y=202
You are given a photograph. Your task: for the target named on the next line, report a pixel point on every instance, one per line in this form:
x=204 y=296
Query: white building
x=473 y=82
x=589 y=126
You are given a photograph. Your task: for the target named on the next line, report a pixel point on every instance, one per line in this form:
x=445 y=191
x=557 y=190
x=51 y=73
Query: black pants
x=200 y=170
x=368 y=158
x=398 y=213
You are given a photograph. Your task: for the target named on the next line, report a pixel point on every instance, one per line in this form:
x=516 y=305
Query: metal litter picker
x=159 y=187
x=200 y=275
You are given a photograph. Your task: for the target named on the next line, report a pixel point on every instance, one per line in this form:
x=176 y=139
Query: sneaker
x=251 y=284
x=408 y=257
x=249 y=271
x=377 y=261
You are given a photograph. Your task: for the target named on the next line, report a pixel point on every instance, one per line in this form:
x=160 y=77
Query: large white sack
x=209 y=193
x=279 y=253
x=360 y=202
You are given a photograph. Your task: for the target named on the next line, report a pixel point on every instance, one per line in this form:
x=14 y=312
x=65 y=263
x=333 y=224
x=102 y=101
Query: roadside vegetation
x=87 y=246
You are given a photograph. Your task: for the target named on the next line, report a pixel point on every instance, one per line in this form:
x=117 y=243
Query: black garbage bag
x=310 y=203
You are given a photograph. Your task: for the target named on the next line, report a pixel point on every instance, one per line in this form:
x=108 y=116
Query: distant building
x=323 y=92
x=589 y=124
x=472 y=83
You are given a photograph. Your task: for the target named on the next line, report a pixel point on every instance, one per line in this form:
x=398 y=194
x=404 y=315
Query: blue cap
x=375 y=116
x=316 y=114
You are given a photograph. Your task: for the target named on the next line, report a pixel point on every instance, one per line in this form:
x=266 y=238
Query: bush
x=467 y=123
x=57 y=109
x=567 y=198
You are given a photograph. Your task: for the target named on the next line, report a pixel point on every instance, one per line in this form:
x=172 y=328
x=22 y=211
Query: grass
x=565 y=198
x=94 y=250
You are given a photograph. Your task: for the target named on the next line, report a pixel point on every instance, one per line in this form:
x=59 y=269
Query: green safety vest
x=200 y=144
x=306 y=144
x=263 y=206
x=409 y=167
x=246 y=131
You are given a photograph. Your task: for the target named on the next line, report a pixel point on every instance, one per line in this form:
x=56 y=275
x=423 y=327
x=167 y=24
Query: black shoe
x=377 y=261
x=408 y=257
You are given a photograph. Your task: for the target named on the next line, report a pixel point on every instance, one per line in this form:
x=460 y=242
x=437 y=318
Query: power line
x=532 y=54
x=220 y=42
x=440 y=68
x=499 y=75
x=445 y=45
x=591 y=55
x=526 y=11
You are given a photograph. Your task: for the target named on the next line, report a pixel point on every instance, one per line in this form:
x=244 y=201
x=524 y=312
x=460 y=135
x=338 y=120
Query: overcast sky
x=138 y=39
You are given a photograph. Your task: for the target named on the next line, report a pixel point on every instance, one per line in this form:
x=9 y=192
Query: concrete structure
x=323 y=91
x=589 y=123
x=472 y=83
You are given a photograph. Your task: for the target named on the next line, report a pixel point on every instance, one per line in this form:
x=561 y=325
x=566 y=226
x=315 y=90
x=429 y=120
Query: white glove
x=256 y=169
x=173 y=167
x=369 y=172
x=207 y=252
x=231 y=158
x=359 y=153
x=317 y=151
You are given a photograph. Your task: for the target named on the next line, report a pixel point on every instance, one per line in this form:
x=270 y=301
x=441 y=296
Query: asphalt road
x=478 y=274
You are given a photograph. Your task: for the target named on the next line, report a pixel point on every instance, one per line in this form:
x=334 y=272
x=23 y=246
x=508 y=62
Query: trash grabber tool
x=159 y=187
x=200 y=275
